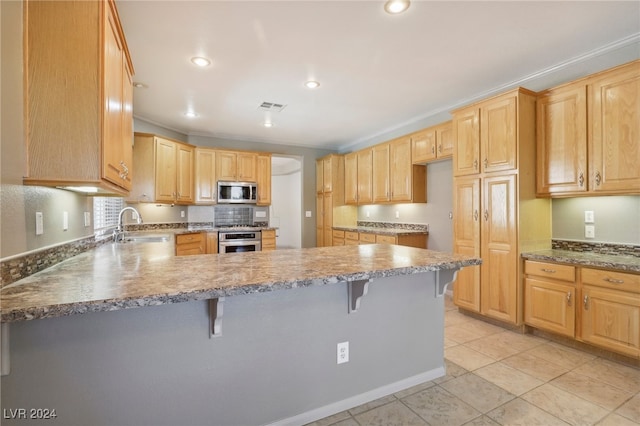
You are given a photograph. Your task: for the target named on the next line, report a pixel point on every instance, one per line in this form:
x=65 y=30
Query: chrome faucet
x=118 y=233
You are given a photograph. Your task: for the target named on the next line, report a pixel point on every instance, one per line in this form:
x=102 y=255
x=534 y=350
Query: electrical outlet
x=87 y=219
x=181 y=213
x=397 y=214
x=367 y=213
x=65 y=221
x=343 y=352
x=589 y=231
x=39 y=223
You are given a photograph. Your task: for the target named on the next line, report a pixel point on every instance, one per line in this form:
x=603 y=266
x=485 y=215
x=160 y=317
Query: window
x=105 y=213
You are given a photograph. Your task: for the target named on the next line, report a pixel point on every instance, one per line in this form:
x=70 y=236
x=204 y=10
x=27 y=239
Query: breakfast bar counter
x=282 y=337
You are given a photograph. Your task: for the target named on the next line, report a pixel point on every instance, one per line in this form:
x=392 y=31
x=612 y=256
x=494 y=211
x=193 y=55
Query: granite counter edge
x=571 y=260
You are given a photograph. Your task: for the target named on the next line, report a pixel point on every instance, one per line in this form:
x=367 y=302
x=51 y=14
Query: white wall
x=286 y=209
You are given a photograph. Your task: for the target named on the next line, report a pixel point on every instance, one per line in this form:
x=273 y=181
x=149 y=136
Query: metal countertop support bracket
x=443 y=279
x=356 y=291
x=215 y=316
x=5 y=364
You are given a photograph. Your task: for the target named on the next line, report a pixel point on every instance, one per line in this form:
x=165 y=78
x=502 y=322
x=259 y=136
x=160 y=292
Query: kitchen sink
x=147 y=238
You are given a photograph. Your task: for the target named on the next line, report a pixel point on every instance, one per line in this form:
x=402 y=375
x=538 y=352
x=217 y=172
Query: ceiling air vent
x=271 y=106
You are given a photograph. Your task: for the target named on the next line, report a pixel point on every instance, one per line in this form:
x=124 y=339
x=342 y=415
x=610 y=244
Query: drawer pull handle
x=475 y=215
x=614 y=281
x=568 y=298
x=550 y=271
x=475 y=164
x=585 y=300
x=598 y=178
x=581 y=179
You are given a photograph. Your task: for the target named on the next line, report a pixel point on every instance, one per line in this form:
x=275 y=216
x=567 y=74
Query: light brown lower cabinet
x=268 y=239
x=341 y=238
x=599 y=307
x=212 y=243
x=192 y=243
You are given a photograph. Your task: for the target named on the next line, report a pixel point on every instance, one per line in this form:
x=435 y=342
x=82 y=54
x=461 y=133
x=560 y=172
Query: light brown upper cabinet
x=263 y=179
x=164 y=170
x=78 y=96
x=496 y=213
x=485 y=136
x=380 y=182
x=589 y=135
x=408 y=181
x=351 y=178
x=433 y=143
x=205 y=176
x=237 y=166
x=365 y=175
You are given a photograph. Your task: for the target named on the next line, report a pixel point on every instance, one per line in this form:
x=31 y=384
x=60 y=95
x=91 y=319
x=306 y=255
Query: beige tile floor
x=499 y=377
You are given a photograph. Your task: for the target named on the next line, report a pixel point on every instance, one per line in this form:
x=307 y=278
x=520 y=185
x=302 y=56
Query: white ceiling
x=377 y=71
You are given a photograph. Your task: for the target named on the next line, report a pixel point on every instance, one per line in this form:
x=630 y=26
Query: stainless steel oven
x=238 y=241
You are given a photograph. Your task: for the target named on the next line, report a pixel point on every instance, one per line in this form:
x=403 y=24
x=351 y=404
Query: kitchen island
x=246 y=338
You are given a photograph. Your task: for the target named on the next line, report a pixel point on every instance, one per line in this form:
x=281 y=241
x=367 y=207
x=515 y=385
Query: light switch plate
x=307 y=213
x=589 y=216
x=39 y=223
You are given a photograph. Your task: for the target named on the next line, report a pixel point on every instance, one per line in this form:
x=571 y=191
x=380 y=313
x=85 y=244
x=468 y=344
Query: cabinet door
x=226 y=165
x=263 y=168
x=499 y=286
x=205 y=176
x=444 y=139
x=498 y=134
x=319 y=177
x=400 y=170
x=351 y=178
x=327 y=166
x=550 y=306
x=562 y=140
x=184 y=174
x=466 y=142
x=423 y=146
x=614 y=119
x=328 y=219
x=320 y=219
x=212 y=243
x=166 y=169
x=380 y=179
x=466 y=236
x=127 y=127
x=112 y=145
x=365 y=174
x=247 y=167
x=611 y=319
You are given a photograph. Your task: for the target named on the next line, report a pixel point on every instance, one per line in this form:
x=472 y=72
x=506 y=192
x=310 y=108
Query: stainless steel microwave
x=237 y=192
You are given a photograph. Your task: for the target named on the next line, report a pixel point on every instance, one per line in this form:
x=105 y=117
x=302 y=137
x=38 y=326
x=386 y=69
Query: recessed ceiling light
x=190 y=114
x=267 y=124
x=139 y=85
x=200 y=61
x=312 y=84
x=396 y=6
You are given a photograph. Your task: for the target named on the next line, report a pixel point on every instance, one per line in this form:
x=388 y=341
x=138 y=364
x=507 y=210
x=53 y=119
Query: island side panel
x=275 y=360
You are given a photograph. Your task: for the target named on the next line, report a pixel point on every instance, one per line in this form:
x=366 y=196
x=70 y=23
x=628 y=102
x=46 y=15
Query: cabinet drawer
x=190 y=238
x=550 y=270
x=338 y=241
x=338 y=234
x=368 y=238
x=610 y=279
x=350 y=235
x=189 y=249
x=385 y=239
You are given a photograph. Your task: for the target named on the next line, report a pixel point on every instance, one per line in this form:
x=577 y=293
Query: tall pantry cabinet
x=496 y=214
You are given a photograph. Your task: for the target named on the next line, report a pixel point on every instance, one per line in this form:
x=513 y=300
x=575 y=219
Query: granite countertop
x=596 y=260
x=119 y=276
x=381 y=230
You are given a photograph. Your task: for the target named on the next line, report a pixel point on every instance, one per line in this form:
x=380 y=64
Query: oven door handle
x=240 y=243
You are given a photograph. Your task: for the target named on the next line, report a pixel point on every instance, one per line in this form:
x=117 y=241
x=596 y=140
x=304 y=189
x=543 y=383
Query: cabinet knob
x=475 y=164
x=475 y=215
x=486 y=215
x=486 y=163
x=440 y=148
x=568 y=298
x=581 y=179
x=433 y=149
x=598 y=178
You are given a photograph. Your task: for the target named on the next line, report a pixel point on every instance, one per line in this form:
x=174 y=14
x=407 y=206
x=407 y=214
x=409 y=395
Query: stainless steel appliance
x=237 y=240
x=237 y=192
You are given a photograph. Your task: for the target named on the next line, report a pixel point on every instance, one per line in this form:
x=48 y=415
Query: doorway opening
x=285 y=212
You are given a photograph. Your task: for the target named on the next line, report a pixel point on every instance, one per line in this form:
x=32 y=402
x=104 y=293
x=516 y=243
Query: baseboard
x=354 y=401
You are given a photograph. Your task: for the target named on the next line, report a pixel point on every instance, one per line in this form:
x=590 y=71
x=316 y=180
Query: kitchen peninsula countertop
x=119 y=276
x=381 y=230
x=578 y=258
